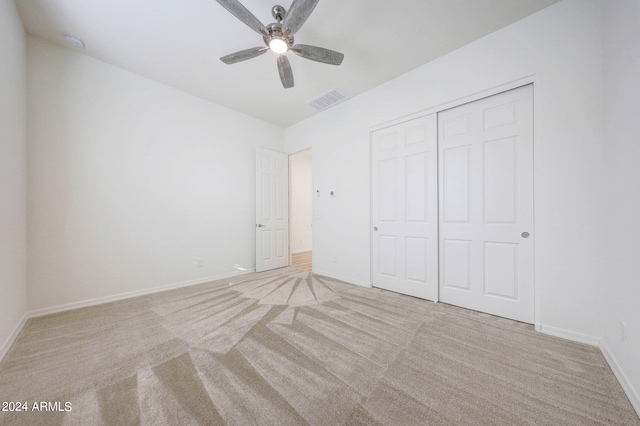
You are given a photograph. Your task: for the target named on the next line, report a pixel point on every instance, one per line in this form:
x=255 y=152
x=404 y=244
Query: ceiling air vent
x=328 y=99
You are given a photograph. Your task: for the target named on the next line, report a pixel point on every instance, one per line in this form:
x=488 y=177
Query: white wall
x=300 y=201
x=560 y=47
x=621 y=48
x=13 y=175
x=130 y=180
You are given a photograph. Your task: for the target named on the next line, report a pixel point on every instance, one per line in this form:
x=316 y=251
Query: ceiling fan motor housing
x=275 y=31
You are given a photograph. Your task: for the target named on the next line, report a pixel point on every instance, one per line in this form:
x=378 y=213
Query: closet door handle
x=525 y=235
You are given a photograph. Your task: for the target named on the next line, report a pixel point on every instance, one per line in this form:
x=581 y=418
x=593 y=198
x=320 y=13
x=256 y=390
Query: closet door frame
x=452 y=104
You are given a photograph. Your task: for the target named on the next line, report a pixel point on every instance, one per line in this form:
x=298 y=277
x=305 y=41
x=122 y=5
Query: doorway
x=301 y=210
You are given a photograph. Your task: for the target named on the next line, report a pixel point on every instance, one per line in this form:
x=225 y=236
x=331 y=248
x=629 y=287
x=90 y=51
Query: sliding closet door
x=486 y=205
x=405 y=212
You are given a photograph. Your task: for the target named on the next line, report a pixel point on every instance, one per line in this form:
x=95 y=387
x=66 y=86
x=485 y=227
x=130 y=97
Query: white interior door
x=405 y=212
x=272 y=210
x=486 y=205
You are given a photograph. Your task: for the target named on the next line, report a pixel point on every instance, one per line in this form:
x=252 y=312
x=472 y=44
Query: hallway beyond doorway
x=302 y=261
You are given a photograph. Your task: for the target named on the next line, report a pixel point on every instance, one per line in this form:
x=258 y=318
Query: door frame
x=531 y=79
x=290 y=198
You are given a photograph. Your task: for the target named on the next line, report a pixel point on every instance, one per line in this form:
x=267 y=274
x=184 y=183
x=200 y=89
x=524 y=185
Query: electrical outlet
x=623 y=332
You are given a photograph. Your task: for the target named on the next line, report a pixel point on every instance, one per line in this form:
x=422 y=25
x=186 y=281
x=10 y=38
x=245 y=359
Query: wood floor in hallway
x=302 y=261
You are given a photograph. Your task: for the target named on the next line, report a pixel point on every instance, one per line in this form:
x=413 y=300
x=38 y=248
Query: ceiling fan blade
x=298 y=14
x=242 y=13
x=319 y=54
x=284 y=69
x=243 y=55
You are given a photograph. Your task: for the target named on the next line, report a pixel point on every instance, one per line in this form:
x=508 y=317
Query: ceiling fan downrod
x=278 y=12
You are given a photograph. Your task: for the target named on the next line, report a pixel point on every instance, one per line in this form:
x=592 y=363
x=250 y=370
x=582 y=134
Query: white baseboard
x=624 y=381
x=4 y=349
x=568 y=334
x=123 y=296
x=345 y=279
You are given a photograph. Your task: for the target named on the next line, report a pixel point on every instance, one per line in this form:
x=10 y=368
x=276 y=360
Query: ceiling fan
x=278 y=36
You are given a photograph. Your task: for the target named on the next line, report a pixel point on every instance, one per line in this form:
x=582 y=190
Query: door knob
x=375 y=228
x=260 y=225
x=525 y=235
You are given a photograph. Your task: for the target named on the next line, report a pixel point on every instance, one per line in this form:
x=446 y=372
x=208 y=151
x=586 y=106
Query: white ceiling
x=179 y=43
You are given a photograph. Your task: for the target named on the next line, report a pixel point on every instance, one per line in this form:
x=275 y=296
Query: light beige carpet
x=289 y=348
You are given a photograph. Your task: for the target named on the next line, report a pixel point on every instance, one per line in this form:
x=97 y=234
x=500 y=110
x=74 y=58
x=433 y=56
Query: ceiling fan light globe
x=278 y=45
